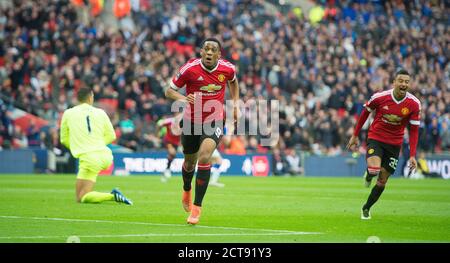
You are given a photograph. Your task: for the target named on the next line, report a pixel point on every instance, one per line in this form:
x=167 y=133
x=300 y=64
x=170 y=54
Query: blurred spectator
x=434 y=132
x=295 y=167
x=6 y=127
x=321 y=66
x=19 y=138
x=236 y=146
x=33 y=135
x=50 y=141
x=254 y=147
x=422 y=168
x=445 y=137
x=280 y=164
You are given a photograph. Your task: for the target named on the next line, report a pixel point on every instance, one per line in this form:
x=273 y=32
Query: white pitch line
x=160 y=224
x=157 y=235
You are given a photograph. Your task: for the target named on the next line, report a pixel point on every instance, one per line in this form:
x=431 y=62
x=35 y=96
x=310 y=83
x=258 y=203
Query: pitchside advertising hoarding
x=439 y=164
x=356 y=166
x=156 y=162
x=245 y=165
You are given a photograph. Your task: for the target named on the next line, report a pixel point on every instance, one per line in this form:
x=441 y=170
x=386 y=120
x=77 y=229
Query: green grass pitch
x=41 y=208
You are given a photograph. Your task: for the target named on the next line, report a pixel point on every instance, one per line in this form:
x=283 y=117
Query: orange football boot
x=187 y=200
x=194 y=217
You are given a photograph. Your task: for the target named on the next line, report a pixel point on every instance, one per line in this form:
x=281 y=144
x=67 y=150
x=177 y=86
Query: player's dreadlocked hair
x=213 y=39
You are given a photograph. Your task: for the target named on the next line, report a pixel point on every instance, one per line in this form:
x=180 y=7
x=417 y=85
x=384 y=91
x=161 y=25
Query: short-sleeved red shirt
x=209 y=84
x=392 y=116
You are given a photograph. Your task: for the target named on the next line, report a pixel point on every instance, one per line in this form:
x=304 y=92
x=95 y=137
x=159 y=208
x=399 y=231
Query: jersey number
x=218 y=132
x=393 y=163
x=88 y=121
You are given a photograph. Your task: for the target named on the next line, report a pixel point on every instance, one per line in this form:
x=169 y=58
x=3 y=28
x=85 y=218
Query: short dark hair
x=83 y=94
x=402 y=72
x=213 y=39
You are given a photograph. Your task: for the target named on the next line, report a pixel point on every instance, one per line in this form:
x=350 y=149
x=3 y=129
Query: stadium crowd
x=321 y=70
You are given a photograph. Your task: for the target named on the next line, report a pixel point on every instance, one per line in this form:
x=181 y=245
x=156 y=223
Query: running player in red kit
x=394 y=110
x=205 y=79
x=171 y=140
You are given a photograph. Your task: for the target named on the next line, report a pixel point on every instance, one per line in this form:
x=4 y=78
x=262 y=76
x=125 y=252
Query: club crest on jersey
x=405 y=111
x=221 y=77
x=371 y=151
x=210 y=88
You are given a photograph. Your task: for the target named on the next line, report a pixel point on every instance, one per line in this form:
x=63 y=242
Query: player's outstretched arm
x=412 y=163
x=234 y=92
x=413 y=140
x=234 y=89
x=354 y=141
x=414 y=121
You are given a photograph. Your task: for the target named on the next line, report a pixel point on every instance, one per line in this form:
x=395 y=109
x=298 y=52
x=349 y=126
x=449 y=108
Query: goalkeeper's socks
x=201 y=182
x=187 y=178
x=376 y=192
x=97 y=197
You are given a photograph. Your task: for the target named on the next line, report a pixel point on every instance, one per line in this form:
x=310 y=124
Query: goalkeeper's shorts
x=90 y=164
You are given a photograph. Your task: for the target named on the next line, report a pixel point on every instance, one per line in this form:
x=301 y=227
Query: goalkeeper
x=86 y=131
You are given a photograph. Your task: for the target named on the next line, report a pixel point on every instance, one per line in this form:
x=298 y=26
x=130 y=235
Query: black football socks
x=376 y=192
x=201 y=182
x=187 y=178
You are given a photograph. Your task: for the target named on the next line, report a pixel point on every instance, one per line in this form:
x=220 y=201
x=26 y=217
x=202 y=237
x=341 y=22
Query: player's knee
x=381 y=182
x=188 y=166
x=171 y=151
x=203 y=158
x=373 y=171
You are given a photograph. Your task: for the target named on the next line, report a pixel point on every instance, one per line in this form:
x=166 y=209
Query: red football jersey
x=170 y=137
x=392 y=116
x=207 y=85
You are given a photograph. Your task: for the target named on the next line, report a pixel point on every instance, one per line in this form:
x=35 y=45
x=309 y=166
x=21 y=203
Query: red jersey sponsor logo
x=392 y=119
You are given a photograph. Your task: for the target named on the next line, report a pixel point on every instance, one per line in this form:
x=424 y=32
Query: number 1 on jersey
x=88 y=123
